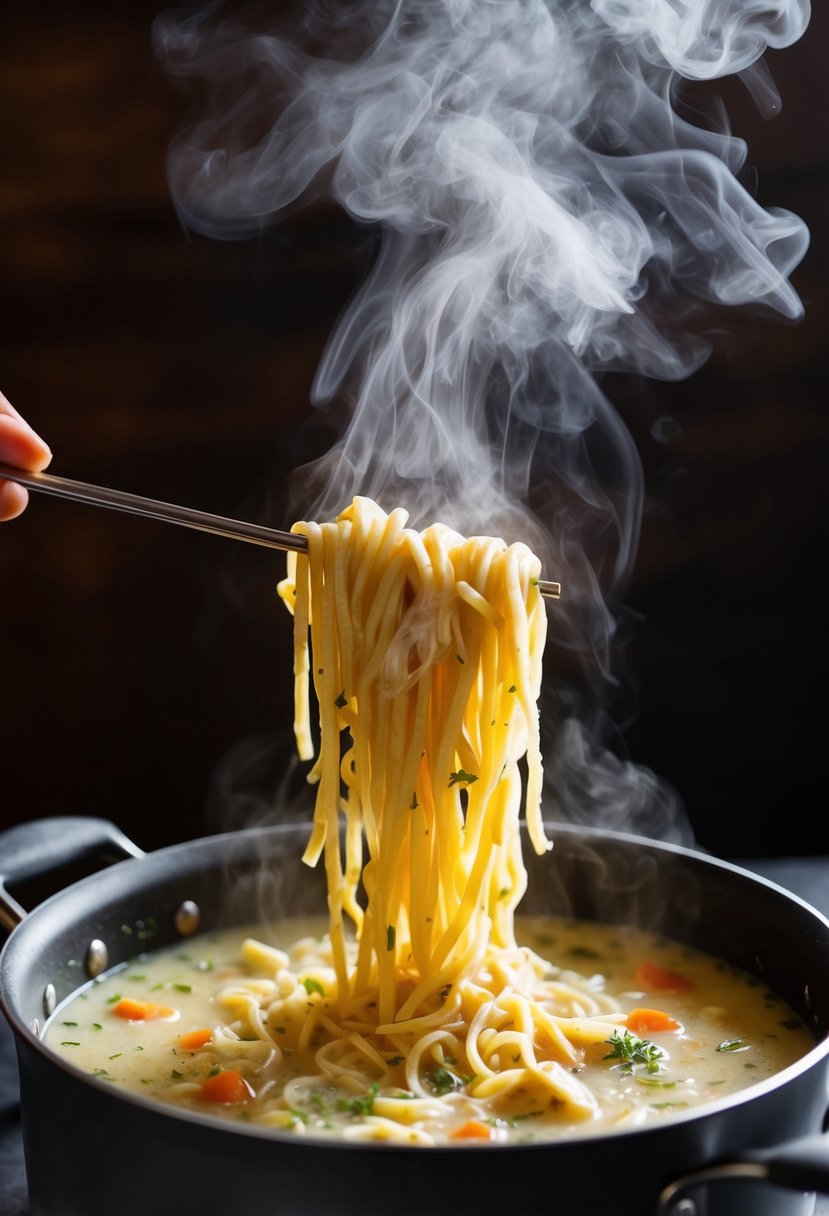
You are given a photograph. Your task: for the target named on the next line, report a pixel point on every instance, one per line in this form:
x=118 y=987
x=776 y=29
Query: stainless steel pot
x=92 y=1149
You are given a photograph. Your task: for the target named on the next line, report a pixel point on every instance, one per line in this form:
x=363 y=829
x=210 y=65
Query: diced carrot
x=473 y=1129
x=227 y=1087
x=142 y=1011
x=194 y=1039
x=651 y=1021
x=651 y=975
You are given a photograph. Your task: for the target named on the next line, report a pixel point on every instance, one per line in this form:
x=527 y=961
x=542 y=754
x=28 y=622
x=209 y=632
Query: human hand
x=20 y=446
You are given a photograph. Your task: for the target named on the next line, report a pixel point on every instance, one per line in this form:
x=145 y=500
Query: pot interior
x=257 y=876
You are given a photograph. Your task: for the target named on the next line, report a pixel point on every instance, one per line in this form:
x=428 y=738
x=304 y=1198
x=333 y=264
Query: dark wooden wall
x=136 y=657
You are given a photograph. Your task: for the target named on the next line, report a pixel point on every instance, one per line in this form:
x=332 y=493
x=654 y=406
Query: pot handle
x=29 y=850
x=795 y=1165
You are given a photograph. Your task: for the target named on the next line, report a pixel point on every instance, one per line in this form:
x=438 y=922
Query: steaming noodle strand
x=426 y=654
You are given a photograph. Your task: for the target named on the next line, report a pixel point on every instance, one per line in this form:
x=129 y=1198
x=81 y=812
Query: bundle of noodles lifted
x=425 y=650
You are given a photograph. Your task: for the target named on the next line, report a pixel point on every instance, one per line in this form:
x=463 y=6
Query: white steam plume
x=546 y=215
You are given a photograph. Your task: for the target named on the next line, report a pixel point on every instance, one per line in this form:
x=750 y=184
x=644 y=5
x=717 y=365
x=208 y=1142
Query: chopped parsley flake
x=733 y=1045
x=441 y=1081
x=312 y=985
x=391 y=937
x=462 y=777
x=361 y=1105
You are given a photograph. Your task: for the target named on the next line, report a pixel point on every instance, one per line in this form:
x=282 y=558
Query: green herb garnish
x=312 y=985
x=733 y=1045
x=441 y=1081
x=391 y=937
x=183 y=987
x=462 y=777
x=319 y=1103
x=630 y=1051
x=361 y=1105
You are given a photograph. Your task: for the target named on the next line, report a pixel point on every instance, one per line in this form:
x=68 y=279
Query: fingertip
x=21 y=446
x=43 y=459
x=13 y=500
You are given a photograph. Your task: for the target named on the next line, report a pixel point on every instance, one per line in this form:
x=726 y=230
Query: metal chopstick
x=171 y=513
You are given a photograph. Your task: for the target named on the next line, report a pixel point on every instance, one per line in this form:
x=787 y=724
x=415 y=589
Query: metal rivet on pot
x=36 y=1027
x=97 y=957
x=187 y=918
x=50 y=999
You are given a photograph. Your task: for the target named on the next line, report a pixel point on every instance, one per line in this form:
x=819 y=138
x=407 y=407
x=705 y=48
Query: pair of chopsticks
x=186 y=517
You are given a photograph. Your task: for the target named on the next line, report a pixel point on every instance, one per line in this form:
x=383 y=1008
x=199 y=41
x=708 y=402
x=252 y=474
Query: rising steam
x=546 y=215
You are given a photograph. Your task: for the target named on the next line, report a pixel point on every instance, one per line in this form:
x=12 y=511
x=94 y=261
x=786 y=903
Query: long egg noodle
x=424 y=650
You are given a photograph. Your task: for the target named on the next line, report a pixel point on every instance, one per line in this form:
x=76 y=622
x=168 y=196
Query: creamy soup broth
x=231 y=1024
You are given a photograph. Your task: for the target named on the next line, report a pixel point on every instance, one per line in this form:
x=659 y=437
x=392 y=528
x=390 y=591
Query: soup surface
x=235 y=1024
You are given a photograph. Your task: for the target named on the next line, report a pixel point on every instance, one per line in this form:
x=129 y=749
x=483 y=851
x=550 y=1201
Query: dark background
x=145 y=670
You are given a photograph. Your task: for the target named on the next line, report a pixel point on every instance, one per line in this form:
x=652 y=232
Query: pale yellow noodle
x=425 y=651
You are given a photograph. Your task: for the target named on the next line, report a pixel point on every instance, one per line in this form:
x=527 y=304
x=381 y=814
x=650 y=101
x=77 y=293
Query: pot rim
x=708 y=1110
